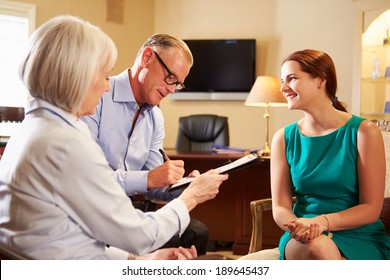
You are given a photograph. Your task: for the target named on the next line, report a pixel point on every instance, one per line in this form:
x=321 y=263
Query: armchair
x=257 y=209
x=256 y=250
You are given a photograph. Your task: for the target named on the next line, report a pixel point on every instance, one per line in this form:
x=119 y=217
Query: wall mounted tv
x=223 y=69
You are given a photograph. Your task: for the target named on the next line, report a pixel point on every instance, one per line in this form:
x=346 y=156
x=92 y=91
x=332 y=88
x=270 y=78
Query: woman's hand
x=203 y=188
x=304 y=229
x=195 y=173
x=171 y=254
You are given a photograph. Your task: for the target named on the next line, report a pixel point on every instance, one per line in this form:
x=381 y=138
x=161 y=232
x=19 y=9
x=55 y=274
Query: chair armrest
x=257 y=208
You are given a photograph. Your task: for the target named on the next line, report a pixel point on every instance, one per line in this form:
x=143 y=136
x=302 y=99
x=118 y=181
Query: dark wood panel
x=11 y=114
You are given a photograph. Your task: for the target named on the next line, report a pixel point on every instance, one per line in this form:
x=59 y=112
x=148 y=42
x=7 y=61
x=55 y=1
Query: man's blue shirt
x=130 y=157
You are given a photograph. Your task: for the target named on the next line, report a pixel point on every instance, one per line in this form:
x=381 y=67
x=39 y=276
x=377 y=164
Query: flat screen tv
x=222 y=65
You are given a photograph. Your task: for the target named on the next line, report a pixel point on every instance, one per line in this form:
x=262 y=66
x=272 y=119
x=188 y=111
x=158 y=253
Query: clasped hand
x=304 y=229
x=171 y=254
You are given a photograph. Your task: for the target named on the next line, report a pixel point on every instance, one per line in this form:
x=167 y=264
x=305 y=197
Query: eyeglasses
x=170 y=79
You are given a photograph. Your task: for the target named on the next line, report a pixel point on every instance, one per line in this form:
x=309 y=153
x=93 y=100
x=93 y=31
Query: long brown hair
x=319 y=64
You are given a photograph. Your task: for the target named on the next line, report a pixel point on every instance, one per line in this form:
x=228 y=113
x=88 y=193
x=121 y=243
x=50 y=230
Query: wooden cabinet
x=228 y=215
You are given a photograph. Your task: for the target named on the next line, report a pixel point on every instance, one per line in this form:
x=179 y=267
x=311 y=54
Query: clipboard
x=243 y=162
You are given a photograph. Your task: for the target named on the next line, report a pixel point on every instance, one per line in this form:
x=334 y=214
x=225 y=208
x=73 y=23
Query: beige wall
x=279 y=26
x=137 y=25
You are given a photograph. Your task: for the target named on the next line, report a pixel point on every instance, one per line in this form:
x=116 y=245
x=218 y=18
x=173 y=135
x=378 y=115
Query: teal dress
x=325 y=180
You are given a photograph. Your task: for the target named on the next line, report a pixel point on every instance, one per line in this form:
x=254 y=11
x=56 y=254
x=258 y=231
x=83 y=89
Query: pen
x=164 y=155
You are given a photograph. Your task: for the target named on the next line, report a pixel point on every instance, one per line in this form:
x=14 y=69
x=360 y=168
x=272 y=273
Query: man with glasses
x=129 y=127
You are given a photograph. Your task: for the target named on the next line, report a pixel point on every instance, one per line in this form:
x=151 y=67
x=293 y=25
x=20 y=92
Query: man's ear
x=146 y=56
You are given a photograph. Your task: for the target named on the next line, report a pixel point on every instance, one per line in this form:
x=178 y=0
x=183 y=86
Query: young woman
x=333 y=163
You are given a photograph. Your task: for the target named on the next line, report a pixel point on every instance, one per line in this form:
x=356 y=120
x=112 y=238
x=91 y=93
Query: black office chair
x=198 y=133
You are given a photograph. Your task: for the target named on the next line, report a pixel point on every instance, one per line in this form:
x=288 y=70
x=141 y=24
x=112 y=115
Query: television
x=222 y=69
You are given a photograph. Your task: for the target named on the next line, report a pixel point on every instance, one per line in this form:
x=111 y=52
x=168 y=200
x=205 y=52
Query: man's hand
x=166 y=174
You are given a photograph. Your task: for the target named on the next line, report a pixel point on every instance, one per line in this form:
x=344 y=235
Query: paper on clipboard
x=242 y=162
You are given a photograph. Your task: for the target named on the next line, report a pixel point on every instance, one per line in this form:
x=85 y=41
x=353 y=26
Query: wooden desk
x=228 y=215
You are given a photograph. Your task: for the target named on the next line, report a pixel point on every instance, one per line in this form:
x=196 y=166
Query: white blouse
x=65 y=202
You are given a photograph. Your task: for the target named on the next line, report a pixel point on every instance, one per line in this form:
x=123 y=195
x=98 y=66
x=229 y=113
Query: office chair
x=198 y=133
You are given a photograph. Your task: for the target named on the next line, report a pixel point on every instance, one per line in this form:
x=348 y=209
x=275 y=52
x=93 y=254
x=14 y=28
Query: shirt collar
x=120 y=86
x=122 y=91
x=48 y=109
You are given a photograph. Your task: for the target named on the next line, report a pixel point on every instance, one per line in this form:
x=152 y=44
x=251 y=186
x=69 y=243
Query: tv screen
x=222 y=65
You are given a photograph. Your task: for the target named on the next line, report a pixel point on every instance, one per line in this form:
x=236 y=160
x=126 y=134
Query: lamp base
x=265 y=152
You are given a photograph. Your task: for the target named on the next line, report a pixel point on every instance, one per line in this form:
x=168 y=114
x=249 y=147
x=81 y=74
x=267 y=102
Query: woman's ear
x=321 y=83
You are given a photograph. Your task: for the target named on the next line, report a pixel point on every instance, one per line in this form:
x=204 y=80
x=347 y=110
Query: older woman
x=63 y=201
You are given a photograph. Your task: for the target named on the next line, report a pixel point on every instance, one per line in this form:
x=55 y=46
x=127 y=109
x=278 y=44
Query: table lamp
x=265 y=92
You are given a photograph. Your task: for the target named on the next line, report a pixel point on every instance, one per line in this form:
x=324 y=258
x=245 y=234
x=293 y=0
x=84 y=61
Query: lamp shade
x=265 y=92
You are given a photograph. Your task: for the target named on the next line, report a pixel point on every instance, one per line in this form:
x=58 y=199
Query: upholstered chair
x=198 y=133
